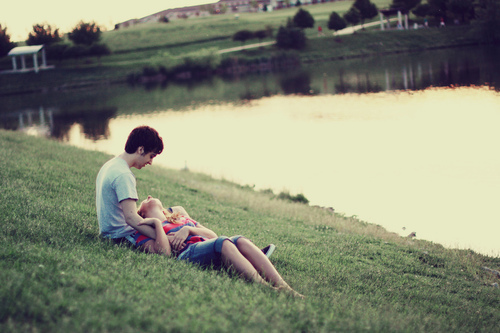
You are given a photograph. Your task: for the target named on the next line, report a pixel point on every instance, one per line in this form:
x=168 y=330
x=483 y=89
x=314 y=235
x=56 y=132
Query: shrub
x=76 y=51
x=291 y=38
x=99 y=50
x=198 y=64
x=243 y=36
x=56 y=51
x=260 y=34
x=300 y=198
x=149 y=71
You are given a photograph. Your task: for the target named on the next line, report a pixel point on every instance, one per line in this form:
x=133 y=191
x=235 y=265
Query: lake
x=408 y=142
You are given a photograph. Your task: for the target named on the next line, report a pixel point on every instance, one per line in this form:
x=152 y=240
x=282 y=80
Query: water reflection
x=51 y=122
x=407 y=77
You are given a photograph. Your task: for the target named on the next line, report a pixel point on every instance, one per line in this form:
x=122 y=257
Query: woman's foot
x=292 y=292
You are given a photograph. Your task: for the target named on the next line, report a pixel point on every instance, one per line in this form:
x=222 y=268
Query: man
x=116 y=193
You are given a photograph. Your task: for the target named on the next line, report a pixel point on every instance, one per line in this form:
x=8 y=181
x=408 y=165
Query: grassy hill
x=168 y=44
x=60 y=276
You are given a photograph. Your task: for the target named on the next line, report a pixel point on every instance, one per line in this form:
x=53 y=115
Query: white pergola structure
x=386 y=13
x=22 y=52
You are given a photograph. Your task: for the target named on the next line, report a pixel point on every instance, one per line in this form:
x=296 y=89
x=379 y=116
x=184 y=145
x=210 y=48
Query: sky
x=20 y=16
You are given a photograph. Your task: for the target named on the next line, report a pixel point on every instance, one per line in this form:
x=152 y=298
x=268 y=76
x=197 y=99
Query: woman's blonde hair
x=174 y=218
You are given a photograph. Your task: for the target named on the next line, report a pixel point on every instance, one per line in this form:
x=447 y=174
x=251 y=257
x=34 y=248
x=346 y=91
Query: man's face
x=144 y=160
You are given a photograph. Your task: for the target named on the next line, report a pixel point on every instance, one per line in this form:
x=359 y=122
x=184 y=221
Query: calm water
x=385 y=139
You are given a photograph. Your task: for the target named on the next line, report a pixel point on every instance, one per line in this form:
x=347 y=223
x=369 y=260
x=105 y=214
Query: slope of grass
x=59 y=276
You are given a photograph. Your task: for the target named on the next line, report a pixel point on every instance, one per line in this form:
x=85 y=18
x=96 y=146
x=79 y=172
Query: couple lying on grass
x=170 y=232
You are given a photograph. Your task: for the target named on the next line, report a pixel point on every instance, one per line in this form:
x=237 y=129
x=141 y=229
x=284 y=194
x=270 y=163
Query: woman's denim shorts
x=207 y=253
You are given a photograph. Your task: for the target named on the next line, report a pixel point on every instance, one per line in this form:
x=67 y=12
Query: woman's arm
x=178 y=238
x=200 y=230
x=161 y=245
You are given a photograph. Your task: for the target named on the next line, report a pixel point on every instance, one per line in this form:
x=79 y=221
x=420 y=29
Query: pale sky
x=20 y=16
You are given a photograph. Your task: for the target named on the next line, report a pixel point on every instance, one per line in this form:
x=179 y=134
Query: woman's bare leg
x=262 y=264
x=233 y=258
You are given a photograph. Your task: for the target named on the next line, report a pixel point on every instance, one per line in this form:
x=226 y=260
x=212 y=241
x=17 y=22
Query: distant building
x=169 y=14
x=220 y=7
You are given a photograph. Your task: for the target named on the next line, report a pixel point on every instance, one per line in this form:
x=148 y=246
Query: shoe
x=268 y=250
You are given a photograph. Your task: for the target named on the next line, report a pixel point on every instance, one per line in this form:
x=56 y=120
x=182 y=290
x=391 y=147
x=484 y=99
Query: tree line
x=85 y=41
x=85 y=37
x=485 y=13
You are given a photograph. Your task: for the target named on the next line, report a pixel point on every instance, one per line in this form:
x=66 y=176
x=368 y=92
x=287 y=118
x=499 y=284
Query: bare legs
x=249 y=261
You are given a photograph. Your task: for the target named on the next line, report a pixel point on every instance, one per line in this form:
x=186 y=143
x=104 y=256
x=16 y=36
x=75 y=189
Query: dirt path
x=345 y=31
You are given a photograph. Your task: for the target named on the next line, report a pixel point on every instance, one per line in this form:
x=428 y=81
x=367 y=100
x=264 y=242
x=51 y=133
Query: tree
x=405 y=5
x=462 y=8
x=422 y=10
x=367 y=9
x=43 y=34
x=336 y=22
x=438 y=8
x=488 y=16
x=303 y=19
x=85 y=33
x=352 y=16
x=242 y=36
x=5 y=44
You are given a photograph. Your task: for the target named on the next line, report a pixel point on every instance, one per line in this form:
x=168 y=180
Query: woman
x=187 y=239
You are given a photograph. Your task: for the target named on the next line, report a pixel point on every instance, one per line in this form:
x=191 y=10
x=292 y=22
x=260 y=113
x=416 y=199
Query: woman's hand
x=178 y=238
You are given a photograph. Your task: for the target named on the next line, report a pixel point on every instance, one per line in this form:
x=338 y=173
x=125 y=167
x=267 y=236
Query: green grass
x=60 y=276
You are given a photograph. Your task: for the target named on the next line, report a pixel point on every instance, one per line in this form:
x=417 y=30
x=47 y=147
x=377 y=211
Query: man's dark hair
x=146 y=137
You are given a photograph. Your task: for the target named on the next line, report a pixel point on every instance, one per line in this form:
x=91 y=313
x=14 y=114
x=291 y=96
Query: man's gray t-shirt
x=115 y=183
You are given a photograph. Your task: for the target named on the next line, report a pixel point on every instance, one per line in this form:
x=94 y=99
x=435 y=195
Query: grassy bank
x=59 y=276
x=160 y=44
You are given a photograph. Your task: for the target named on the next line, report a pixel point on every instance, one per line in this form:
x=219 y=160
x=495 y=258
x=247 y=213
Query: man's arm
x=129 y=208
x=162 y=244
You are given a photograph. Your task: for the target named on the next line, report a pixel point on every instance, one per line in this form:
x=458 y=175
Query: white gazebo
x=22 y=52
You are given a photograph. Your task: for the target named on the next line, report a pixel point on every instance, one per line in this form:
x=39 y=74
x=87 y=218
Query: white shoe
x=268 y=250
